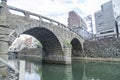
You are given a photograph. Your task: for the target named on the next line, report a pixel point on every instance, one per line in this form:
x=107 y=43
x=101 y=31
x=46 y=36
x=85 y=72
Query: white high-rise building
x=116 y=8
x=105 y=21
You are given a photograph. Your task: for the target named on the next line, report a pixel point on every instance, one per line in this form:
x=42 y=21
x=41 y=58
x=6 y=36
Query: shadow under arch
x=76 y=47
x=49 y=41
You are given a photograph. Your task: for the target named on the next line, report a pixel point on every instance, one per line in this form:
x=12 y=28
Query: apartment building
x=76 y=23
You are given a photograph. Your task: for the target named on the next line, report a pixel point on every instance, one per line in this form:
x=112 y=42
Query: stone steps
x=11 y=75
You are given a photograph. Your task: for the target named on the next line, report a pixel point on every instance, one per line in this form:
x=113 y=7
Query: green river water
x=79 y=70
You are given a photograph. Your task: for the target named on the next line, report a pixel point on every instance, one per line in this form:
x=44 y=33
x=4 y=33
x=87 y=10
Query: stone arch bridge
x=58 y=40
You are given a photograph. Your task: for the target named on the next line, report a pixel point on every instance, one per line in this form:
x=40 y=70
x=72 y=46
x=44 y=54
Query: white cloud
x=58 y=9
x=89 y=6
x=50 y=8
x=42 y=6
x=61 y=18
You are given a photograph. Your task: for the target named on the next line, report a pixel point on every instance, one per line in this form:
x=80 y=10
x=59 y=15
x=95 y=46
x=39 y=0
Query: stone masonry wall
x=104 y=48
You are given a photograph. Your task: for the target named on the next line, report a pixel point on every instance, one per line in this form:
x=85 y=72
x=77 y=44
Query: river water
x=78 y=70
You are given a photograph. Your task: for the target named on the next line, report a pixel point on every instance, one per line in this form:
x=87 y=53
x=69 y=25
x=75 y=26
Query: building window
x=113 y=5
x=107 y=32
x=102 y=8
x=100 y=16
x=115 y=13
x=101 y=24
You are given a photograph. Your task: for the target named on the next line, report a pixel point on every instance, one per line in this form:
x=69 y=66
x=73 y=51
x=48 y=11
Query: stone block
x=5 y=31
x=3 y=47
x=4 y=38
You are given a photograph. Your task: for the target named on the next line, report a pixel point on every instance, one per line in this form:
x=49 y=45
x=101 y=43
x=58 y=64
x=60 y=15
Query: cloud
x=43 y=6
x=49 y=8
x=89 y=6
x=58 y=9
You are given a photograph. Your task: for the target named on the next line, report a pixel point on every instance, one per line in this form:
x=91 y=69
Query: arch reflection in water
x=79 y=70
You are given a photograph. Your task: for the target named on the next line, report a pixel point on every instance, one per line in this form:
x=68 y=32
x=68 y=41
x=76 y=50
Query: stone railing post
x=4 y=12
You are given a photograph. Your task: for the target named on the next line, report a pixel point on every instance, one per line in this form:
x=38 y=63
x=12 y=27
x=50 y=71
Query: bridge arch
x=48 y=39
x=76 y=47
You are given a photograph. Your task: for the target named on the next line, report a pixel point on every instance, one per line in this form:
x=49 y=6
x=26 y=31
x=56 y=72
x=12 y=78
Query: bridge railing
x=40 y=17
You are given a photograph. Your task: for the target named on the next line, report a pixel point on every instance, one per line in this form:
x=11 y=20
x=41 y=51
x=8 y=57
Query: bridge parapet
x=41 y=18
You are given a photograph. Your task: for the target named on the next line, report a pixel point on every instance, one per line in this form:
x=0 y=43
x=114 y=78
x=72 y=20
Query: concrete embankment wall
x=104 y=48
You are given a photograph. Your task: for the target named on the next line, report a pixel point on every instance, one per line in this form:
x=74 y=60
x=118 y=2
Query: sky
x=59 y=9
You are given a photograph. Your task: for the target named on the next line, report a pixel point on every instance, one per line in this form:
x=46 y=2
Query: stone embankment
x=103 y=48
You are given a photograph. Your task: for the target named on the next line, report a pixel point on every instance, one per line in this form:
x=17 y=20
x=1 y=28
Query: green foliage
x=39 y=44
x=67 y=44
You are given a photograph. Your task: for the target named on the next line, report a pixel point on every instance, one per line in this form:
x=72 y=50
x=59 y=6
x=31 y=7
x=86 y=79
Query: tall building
x=105 y=21
x=76 y=23
x=116 y=8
